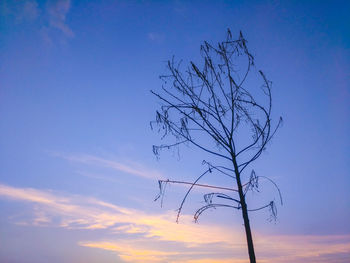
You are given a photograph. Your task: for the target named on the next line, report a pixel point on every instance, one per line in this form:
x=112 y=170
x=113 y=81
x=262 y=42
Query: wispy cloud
x=155 y=37
x=22 y=11
x=90 y=213
x=50 y=18
x=134 y=230
x=269 y=249
x=304 y=248
x=57 y=13
x=130 y=254
x=127 y=167
x=29 y=11
x=135 y=234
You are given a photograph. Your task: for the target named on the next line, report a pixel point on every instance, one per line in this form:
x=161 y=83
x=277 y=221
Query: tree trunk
x=248 y=232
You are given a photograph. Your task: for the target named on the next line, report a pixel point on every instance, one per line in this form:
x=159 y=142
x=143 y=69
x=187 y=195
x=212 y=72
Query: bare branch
x=200 y=185
x=206 y=207
x=210 y=106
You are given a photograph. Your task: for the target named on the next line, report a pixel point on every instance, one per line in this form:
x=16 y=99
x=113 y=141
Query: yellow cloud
x=136 y=233
x=90 y=213
x=218 y=260
x=279 y=249
x=129 y=253
x=303 y=248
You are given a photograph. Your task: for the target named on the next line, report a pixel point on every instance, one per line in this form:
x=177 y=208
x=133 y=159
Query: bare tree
x=211 y=107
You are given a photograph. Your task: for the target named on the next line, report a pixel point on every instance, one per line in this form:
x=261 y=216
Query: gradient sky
x=77 y=173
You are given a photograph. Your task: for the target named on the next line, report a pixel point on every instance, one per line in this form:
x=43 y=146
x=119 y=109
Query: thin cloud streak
x=135 y=233
x=134 y=168
x=130 y=254
x=57 y=11
x=131 y=251
x=89 y=213
x=49 y=19
x=22 y=11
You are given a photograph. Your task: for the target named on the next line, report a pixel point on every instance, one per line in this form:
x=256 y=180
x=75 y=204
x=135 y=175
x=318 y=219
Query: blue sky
x=77 y=173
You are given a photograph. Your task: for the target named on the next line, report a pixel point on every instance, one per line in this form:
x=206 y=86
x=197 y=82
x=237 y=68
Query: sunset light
x=174 y=131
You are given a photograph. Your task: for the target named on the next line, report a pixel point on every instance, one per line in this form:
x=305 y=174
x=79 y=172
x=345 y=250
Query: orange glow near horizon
x=197 y=241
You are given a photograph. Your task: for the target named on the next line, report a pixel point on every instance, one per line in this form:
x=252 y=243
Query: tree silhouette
x=213 y=107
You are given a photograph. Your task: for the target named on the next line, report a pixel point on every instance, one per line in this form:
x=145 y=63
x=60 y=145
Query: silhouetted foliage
x=213 y=108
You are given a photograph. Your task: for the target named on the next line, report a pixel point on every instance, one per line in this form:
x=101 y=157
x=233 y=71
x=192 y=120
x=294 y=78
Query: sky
x=77 y=174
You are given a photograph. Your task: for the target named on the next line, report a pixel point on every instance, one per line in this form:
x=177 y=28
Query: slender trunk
x=245 y=215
